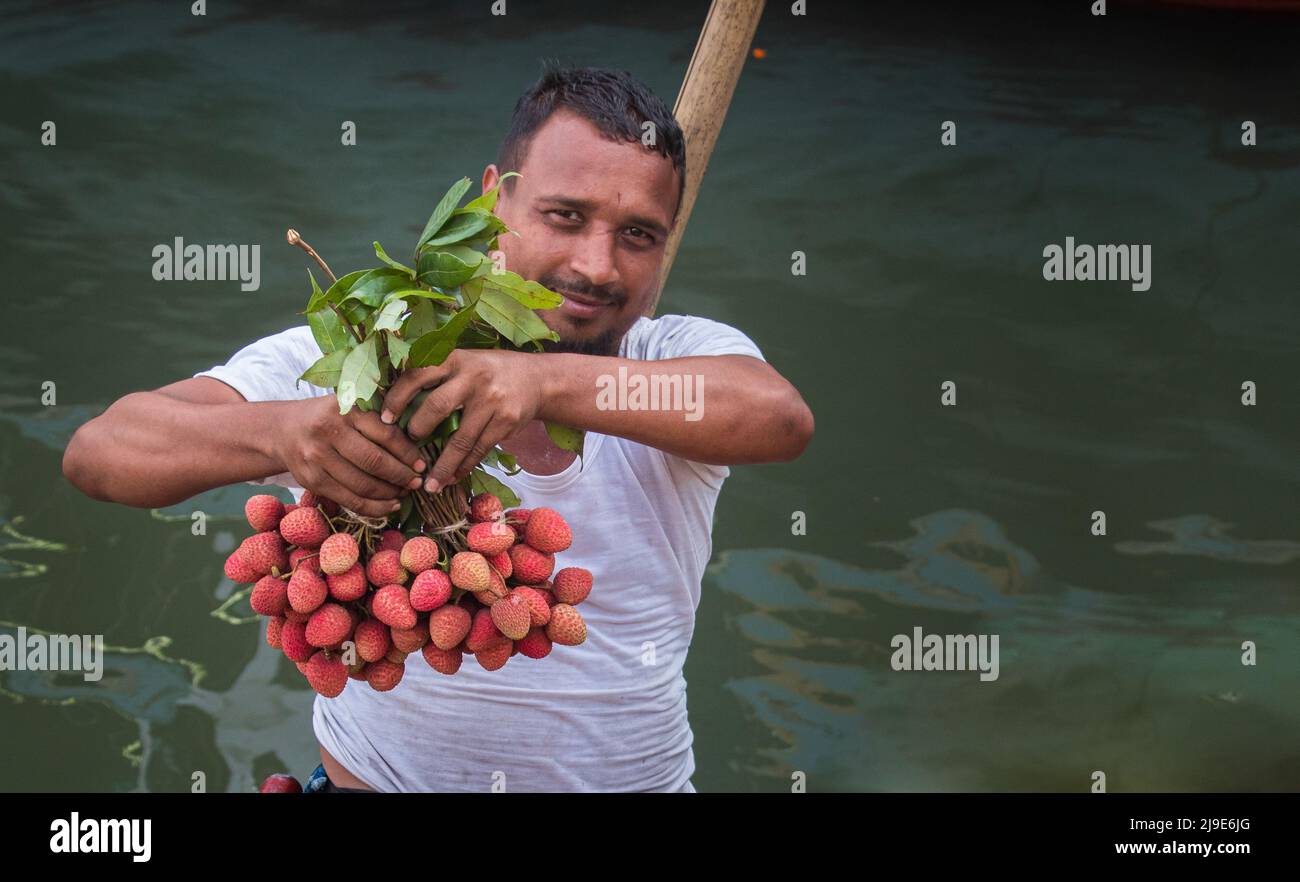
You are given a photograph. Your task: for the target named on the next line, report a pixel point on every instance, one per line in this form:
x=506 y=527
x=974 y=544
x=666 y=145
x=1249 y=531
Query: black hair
x=614 y=101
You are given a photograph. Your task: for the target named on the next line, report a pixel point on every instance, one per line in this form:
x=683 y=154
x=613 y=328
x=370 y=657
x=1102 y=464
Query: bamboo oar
x=703 y=100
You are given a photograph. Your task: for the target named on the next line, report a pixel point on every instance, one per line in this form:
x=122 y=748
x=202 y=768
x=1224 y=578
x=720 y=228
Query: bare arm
x=159 y=447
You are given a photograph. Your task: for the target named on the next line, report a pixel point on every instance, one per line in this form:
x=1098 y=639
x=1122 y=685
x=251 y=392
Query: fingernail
x=431 y=485
x=395 y=506
x=419 y=465
x=386 y=416
x=413 y=483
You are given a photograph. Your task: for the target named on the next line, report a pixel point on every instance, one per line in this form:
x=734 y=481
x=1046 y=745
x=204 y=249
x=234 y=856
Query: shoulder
x=678 y=336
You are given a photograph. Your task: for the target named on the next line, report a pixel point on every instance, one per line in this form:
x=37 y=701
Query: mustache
x=603 y=293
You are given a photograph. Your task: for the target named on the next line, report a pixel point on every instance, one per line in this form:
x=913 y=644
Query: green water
x=1119 y=653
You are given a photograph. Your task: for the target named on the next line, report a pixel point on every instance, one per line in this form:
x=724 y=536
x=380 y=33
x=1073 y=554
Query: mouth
x=583 y=306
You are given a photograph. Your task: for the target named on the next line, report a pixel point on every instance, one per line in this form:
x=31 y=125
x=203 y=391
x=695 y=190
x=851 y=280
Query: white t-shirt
x=604 y=716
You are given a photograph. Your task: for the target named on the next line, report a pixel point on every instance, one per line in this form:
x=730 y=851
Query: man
x=593 y=209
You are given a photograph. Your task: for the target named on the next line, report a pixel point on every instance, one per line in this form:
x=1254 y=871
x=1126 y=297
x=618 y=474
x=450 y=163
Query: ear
x=490 y=177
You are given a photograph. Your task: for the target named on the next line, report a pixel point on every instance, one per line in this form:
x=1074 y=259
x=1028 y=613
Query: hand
x=353 y=459
x=500 y=391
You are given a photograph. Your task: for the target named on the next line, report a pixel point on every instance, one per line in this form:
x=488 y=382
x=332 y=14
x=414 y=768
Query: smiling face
x=593 y=215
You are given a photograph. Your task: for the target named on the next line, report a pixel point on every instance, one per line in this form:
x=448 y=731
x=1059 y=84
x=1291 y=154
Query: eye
x=564 y=214
x=639 y=234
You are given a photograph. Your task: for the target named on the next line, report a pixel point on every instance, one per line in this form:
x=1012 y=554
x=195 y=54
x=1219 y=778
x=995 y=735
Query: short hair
x=614 y=101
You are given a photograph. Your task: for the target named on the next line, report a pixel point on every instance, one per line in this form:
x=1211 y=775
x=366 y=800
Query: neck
x=536 y=453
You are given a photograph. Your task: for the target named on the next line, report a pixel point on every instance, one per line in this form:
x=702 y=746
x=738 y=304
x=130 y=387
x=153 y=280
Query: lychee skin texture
x=483 y=632
x=539 y=610
x=547 y=531
x=532 y=567
x=385 y=568
x=273 y=628
x=494 y=657
x=348 y=585
x=420 y=553
x=238 y=570
x=293 y=641
x=264 y=552
x=338 y=553
x=263 y=512
x=280 y=783
x=572 y=585
x=392 y=606
x=305 y=557
x=448 y=625
x=430 y=590
x=566 y=626
x=444 y=661
x=372 y=639
x=470 y=570
x=391 y=540
x=484 y=507
x=518 y=518
x=384 y=675
x=547 y=594
x=501 y=563
x=329 y=626
x=327 y=676
x=512 y=616
x=270 y=597
x=305 y=527
x=535 y=643
x=489 y=538
x=307 y=590
x=411 y=639
x=292 y=615
x=311 y=500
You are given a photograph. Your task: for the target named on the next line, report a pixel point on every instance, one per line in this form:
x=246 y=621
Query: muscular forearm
x=150 y=449
x=723 y=410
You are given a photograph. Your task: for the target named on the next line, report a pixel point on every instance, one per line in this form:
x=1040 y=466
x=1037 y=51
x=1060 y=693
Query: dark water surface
x=1119 y=653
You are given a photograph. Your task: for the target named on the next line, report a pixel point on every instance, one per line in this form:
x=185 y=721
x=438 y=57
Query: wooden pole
x=702 y=103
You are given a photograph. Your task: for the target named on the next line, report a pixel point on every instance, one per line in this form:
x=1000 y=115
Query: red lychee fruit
x=293 y=641
x=470 y=570
x=305 y=557
x=391 y=540
x=535 y=643
x=338 y=553
x=490 y=537
x=311 y=500
x=372 y=639
x=329 y=626
x=238 y=570
x=430 y=590
x=411 y=639
x=448 y=625
x=482 y=631
x=270 y=597
x=305 y=527
x=307 y=590
x=566 y=626
x=348 y=585
x=264 y=552
x=384 y=675
x=273 y=628
x=263 y=512
x=547 y=531
x=501 y=563
x=512 y=615
x=572 y=585
x=494 y=657
x=280 y=783
x=392 y=606
x=531 y=566
x=518 y=518
x=484 y=507
x=444 y=661
x=538 y=609
x=420 y=553
x=385 y=568
x=326 y=675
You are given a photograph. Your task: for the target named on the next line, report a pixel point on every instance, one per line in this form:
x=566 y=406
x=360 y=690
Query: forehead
x=568 y=156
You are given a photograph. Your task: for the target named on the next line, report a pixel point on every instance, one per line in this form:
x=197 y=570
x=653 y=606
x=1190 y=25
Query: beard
x=602 y=344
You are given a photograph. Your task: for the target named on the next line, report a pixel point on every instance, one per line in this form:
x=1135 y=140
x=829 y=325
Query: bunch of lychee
x=345 y=602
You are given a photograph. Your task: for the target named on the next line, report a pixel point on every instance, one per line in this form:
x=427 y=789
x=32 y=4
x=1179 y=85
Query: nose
x=594 y=259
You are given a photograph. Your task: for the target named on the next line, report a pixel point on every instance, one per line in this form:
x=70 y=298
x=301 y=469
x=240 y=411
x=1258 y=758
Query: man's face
x=593 y=216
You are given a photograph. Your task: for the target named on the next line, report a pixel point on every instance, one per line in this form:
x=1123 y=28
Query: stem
x=294 y=239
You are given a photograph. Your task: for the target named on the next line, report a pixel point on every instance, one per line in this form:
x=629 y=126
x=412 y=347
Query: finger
x=370 y=449
x=441 y=402
x=407 y=386
x=331 y=488
x=459 y=446
x=361 y=484
x=496 y=432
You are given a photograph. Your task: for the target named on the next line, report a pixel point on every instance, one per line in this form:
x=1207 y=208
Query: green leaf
x=325 y=372
x=374 y=286
x=517 y=323
x=327 y=328
x=383 y=255
x=425 y=318
x=461 y=225
x=434 y=347
x=335 y=294
x=488 y=201
x=446 y=205
x=412 y=407
x=526 y=292
x=398 y=349
x=502 y=460
x=390 y=316
x=417 y=292
x=565 y=438
x=359 y=377
x=357 y=313
x=481 y=482
x=448 y=267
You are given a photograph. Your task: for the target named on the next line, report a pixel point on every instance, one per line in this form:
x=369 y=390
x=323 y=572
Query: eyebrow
x=587 y=205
